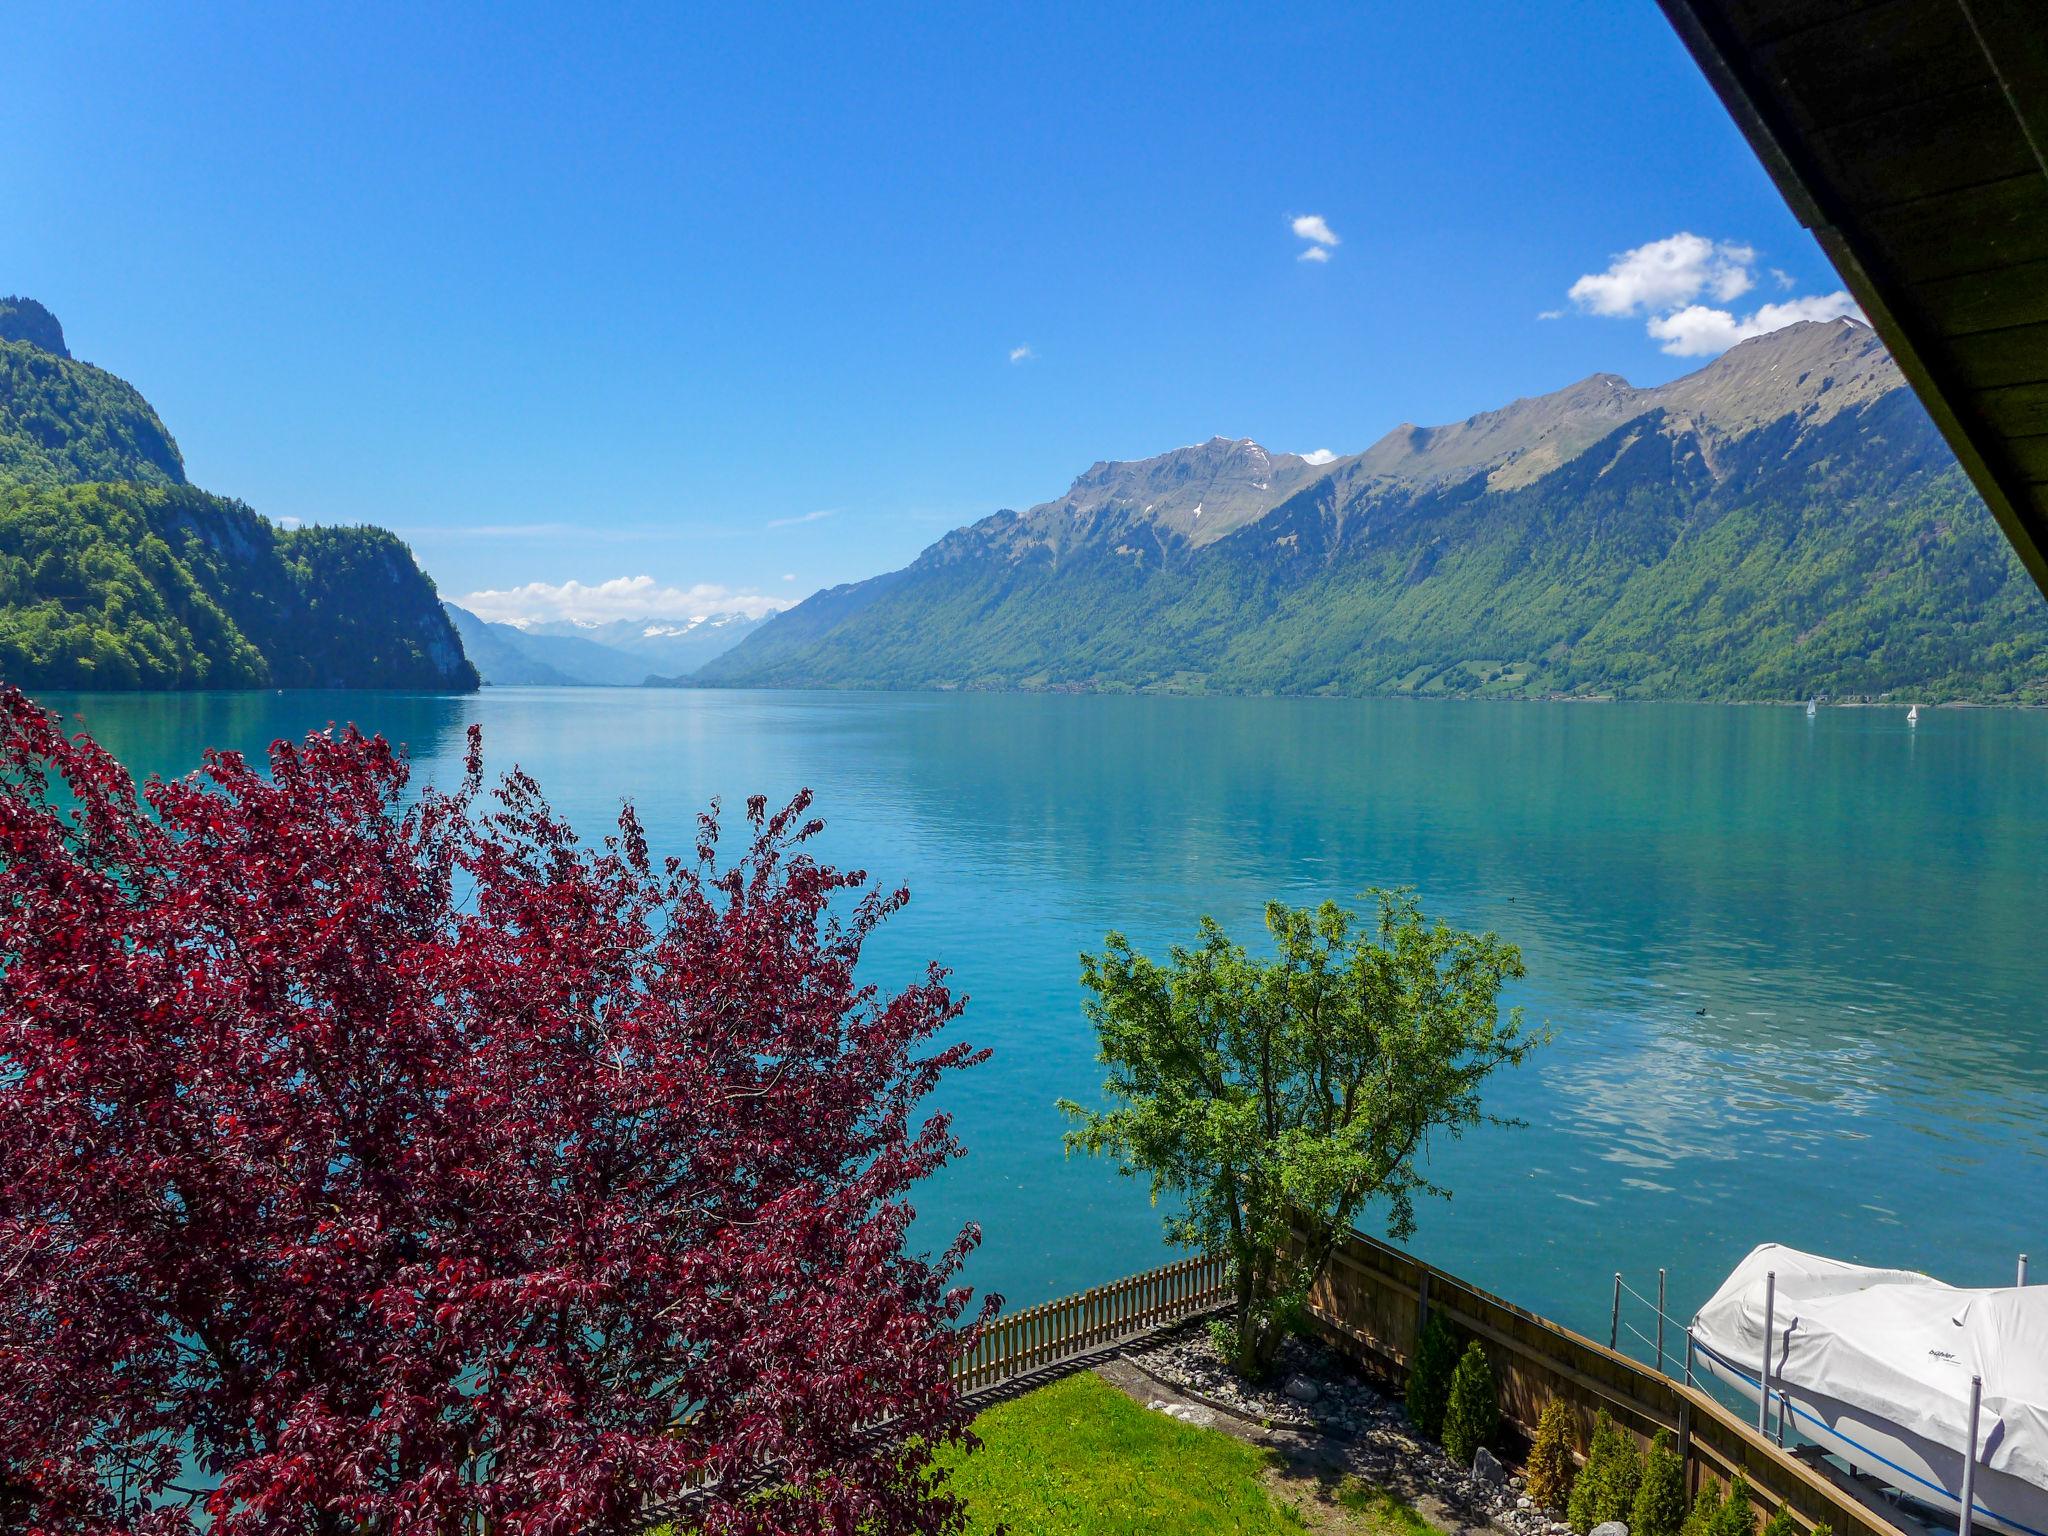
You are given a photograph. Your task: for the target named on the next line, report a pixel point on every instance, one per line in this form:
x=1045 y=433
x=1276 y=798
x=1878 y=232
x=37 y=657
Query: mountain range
x=1784 y=522
x=623 y=653
x=116 y=572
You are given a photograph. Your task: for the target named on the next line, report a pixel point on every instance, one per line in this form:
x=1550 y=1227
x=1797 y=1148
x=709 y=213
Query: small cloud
x=289 y=524
x=1549 y=314
x=1700 y=331
x=623 y=597
x=1670 y=281
x=808 y=517
x=1314 y=227
x=1320 y=456
x=1314 y=253
x=1665 y=274
x=1021 y=353
x=789 y=575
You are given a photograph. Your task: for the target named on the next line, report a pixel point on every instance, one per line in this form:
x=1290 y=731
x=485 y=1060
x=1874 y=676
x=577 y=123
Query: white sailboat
x=1812 y=708
x=1913 y=715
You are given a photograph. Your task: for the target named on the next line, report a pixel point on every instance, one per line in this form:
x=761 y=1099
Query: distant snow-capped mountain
x=620 y=653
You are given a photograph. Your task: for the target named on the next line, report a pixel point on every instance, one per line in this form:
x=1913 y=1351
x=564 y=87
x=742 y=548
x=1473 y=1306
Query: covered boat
x=1875 y=1366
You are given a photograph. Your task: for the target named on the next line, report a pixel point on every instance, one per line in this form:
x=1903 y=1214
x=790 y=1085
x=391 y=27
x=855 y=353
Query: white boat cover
x=1898 y=1344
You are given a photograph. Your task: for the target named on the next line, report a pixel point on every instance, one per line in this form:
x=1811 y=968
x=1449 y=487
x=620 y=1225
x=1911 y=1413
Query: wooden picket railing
x=1053 y=1331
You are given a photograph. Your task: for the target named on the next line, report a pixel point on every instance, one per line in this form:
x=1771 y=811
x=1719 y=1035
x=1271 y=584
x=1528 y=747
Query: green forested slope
x=1850 y=559
x=114 y=573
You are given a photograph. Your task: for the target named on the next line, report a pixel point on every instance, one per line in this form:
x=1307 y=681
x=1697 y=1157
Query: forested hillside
x=1784 y=523
x=114 y=573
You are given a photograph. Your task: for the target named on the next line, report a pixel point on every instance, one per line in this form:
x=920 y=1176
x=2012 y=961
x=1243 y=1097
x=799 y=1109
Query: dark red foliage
x=387 y=1166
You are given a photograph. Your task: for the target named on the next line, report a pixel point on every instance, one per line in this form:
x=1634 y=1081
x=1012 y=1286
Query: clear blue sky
x=581 y=293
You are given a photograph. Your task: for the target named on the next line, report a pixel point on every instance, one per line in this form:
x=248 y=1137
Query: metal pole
x=1763 y=1397
x=2023 y=1271
x=1688 y=1355
x=1614 y=1321
x=1660 y=1322
x=1969 y=1498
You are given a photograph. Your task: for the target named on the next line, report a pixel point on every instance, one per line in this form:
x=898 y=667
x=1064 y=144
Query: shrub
x=1429 y=1376
x=1607 y=1484
x=1738 y=1515
x=1551 y=1469
x=1472 y=1416
x=1782 y=1523
x=1706 y=1512
x=1659 y=1508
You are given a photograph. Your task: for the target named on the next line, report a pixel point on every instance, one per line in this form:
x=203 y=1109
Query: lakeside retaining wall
x=1372 y=1302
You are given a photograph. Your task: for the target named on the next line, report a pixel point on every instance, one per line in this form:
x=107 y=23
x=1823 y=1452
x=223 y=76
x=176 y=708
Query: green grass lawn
x=1079 y=1458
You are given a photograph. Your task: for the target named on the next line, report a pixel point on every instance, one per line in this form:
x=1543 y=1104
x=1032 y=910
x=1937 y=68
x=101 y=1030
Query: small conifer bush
x=1472 y=1416
x=1705 y=1515
x=1606 y=1486
x=1659 y=1508
x=1429 y=1376
x=1738 y=1515
x=1551 y=1469
x=1782 y=1523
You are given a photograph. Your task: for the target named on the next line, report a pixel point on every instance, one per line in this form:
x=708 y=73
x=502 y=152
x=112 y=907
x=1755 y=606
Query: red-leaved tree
x=384 y=1165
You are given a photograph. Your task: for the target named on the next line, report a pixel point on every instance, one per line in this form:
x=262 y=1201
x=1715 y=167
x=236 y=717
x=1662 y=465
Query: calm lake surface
x=1795 y=968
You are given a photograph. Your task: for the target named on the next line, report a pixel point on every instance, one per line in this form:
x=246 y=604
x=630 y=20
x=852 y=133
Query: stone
x=1609 y=1528
x=1525 y=1502
x=1487 y=1468
x=1301 y=1389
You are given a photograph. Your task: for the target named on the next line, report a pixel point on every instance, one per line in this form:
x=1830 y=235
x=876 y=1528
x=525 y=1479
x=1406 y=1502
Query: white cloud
x=1314 y=253
x=1313 y=226
x=1320 y=456
x=1698 y=331
x=1665 y=274
x=623 y=597
x=1022 y=353
x=1549 y=314
x=292 y=525
x=1668 y=282
x=789 y=575
x=808 y=517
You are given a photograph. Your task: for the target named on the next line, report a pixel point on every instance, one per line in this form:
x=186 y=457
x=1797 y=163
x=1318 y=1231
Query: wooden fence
x=1374 y=1299
x=1053 y=1331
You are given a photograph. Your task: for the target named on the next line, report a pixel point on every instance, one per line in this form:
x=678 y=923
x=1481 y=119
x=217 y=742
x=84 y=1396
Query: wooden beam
x=1831 y=184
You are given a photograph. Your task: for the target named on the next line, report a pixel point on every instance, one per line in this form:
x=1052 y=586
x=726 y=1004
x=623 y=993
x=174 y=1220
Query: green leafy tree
x=1429 y=1376
x=1266 y=1095
x=1473 y=1415
x=1782 y=1523
x=1659 y=1507
x=1552 y=1469
x=1607 y=1484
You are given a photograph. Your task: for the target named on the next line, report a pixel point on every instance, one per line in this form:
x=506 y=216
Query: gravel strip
x=1314 y=1390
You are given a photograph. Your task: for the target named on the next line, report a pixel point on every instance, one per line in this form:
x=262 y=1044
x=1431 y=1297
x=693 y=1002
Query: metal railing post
x=2023 y=1271
x=1969 y=1498
x=1763 y=1398
x=1660 y=1322
x=1688 y=1356
x=1614 y=1322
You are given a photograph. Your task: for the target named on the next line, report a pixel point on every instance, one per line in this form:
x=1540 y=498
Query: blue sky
x=731 y=299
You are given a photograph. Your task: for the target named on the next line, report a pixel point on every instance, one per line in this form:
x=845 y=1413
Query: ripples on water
x=1853 y=905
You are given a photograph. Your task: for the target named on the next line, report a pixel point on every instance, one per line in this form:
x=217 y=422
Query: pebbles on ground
x=1372 y=1431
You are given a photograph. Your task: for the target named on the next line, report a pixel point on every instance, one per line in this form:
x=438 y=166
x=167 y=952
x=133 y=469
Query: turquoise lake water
x=1857 y=907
